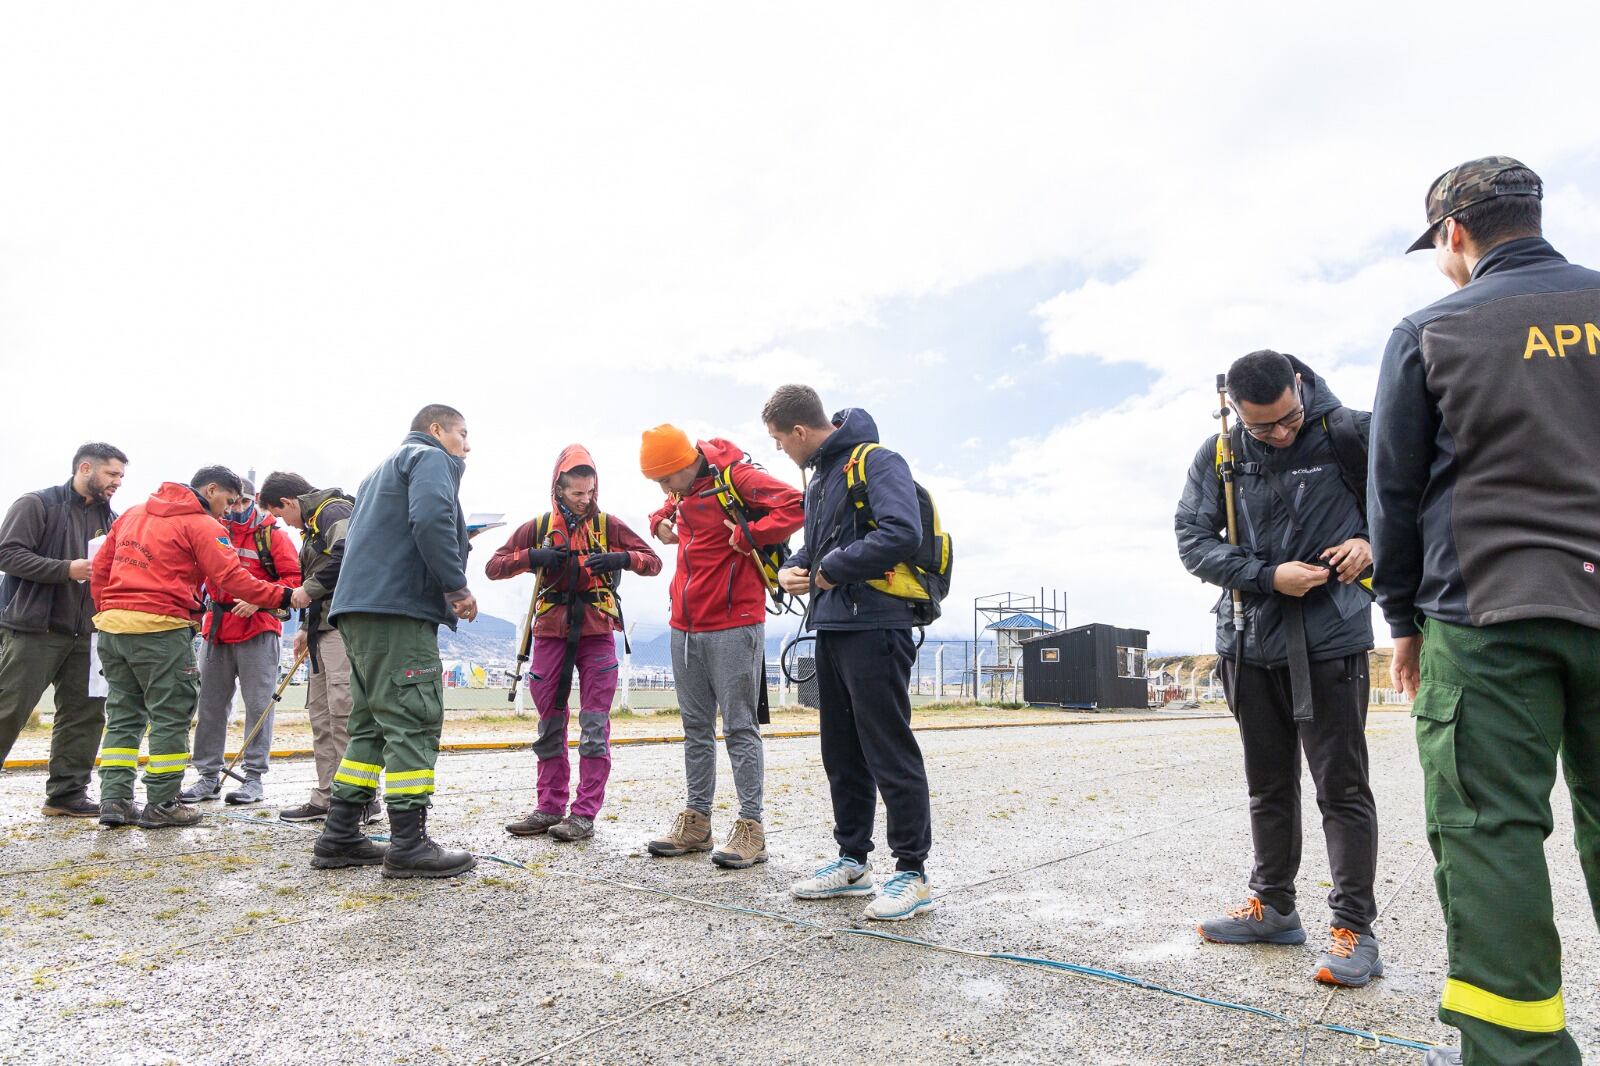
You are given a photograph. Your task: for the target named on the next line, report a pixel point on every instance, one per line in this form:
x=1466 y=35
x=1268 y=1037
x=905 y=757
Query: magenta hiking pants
x=596 y=685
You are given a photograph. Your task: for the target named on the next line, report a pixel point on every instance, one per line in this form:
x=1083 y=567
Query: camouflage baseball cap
x=1471 y=183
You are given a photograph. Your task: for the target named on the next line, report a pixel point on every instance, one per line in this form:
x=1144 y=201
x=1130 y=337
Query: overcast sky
x=1026 y=238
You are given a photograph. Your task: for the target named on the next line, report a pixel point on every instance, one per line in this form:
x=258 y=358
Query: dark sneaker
x=114 y=814
x=249 y=792
x=533 y=824
x=1351 y=960
x=168 y=815
x=373 y=812
x=573 y=827
x=306 y=812
x=1443 y=1056
x=205 y=787
x=1254 y=923
x=79 y=806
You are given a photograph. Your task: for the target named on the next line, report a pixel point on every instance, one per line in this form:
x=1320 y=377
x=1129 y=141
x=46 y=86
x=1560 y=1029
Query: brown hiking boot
x=691 y=831
x=746 y=846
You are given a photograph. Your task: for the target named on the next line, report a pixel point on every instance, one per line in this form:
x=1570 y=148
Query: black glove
x=605 y=562
x=546 y=558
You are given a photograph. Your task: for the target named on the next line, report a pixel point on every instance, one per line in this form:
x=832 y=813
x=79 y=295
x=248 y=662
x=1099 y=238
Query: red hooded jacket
x=285 y=559
x=158 y=555
x=716 y=585
x=512 y=558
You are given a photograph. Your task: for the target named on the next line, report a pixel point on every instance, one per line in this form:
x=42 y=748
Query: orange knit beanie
x=665 y=450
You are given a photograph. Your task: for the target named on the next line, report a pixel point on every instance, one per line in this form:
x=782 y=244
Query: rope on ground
x=1088 y=851
x=664 y=1000
x=819 y=930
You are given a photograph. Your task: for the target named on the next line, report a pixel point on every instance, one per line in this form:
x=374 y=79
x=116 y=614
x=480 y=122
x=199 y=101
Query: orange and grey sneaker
x=1254 y=923
x=1351 y=959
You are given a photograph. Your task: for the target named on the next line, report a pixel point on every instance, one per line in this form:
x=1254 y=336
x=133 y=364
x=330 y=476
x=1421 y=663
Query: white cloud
x=267 y=235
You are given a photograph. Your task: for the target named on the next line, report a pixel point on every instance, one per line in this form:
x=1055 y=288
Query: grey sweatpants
x=253 y=667
x=721 y=669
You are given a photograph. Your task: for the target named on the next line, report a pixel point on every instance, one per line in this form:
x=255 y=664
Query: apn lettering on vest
x=1583 y=336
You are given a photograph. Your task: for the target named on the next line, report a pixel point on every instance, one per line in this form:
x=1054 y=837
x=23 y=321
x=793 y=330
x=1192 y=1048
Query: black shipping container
x=1087 y=667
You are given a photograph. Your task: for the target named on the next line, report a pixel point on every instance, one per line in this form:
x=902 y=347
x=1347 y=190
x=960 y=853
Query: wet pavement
x=1097 y=845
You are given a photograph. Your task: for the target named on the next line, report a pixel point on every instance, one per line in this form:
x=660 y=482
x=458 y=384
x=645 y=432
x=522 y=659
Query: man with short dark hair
x=1485 y=502
x=146 y=583
x=864 y=652
x=46 y=620
x=403 y=575
x=323 y=517
x=1296 y=678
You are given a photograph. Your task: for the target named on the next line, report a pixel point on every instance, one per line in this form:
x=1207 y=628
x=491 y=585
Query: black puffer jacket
x=1338 y=616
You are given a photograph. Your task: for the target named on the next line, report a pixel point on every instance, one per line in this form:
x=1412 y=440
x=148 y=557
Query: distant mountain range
x=485 y=639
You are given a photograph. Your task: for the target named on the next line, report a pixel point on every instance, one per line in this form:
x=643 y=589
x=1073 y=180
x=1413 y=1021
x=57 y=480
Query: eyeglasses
x=1261 y=430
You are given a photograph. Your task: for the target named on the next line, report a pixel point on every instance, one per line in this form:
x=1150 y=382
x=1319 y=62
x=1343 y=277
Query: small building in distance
x=1087 y=667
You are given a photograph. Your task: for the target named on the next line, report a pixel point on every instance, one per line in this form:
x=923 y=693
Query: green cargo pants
x=1494 y=707
x=29 y=663
x=154 y=684
x=396 y=712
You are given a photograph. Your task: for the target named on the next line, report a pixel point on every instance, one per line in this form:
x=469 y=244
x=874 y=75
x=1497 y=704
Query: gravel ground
x=1099 y=844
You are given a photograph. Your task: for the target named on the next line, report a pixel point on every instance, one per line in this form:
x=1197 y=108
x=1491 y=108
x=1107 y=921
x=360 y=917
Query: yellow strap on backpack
x=902 y=582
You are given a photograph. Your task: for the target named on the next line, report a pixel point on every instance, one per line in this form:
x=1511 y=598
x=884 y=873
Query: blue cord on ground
x=1112 y=976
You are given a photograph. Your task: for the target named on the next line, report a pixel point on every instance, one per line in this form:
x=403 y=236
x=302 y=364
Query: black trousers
x=1335 y=746
x=863 y=679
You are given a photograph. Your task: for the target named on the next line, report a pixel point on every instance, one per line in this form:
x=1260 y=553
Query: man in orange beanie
x=721 y=510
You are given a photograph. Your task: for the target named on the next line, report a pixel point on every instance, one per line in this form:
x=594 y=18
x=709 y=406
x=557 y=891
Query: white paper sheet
x=98 y=689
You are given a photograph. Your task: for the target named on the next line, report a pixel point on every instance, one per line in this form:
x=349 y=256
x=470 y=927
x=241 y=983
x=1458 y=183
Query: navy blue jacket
x=850 y=553
x=1484 y=494
x=406 y=546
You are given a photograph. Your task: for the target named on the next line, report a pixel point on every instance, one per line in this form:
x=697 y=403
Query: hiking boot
x=341 y=842
x=78 y=806
x=1351 y=960
x=306 y=812
x=412 y=854
x=1443 y=1056
x=572 y=828
x=249 y=792
x=905 y=895
x=841 y=877
x=205 y=787
x=533 y=824
x=114 y=814
x=373 y=812
x=746 y=846
x=169 y=815
x=1254 y=923
x=691 y=831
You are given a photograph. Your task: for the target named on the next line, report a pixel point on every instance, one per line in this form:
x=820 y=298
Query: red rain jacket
x=716 y=585
x=285 y=558
x=158 y=555
x=512 y=558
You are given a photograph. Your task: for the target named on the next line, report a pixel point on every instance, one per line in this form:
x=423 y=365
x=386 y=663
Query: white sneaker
x=905 y=895
x=841 y=877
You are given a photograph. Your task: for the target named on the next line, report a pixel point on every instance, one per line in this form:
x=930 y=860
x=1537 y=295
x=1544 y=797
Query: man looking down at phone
x=1296 y=677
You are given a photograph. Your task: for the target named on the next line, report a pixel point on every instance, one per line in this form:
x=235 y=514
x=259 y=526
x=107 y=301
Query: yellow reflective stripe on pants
x=119 y=757
x=1528 y=1016
x=409 y=782
x=359 y=774
x=174 y=763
